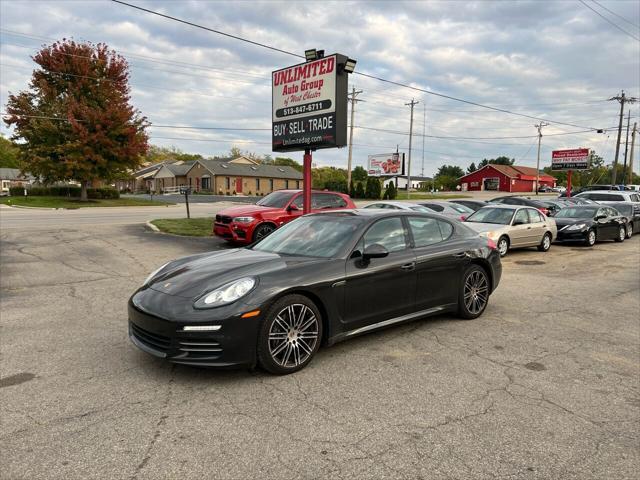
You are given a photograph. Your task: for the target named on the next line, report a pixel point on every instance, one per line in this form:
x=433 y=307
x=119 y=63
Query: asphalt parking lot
x=544 y=385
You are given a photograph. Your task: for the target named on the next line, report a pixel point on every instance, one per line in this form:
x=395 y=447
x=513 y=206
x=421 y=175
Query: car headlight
x=577 y=226
x=154 y=273
x=492 y=235
x=243 y=219
x=226 y=294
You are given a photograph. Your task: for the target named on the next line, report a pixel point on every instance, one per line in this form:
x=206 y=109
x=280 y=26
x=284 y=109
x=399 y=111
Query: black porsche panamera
x=319 y=279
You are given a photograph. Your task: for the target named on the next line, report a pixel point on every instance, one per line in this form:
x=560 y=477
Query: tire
x=474 y=292
x=503 y=245
x=288 y=342
x=590 y=241
x=262 y=230
x=622 y=234
x=545 y=244
x=629 y=230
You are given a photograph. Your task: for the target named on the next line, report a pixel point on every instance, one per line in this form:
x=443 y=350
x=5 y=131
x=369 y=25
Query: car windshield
x=499 y=216
x=572 y=212
x=276 y=199
x=419 y=208
x=314 y=236
x=460 y=208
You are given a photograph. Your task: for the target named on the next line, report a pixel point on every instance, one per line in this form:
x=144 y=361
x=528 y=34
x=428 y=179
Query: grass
x=429 y=196
x=72 y=203
x=193 y=227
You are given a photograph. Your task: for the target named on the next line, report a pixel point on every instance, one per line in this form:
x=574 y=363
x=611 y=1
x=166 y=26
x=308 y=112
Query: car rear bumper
x=234 y=344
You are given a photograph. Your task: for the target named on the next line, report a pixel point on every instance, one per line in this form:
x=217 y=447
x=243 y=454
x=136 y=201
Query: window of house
x=286 y=184
x=227 y=182
x=257 y=184
x=298 y=184
x=271 y=184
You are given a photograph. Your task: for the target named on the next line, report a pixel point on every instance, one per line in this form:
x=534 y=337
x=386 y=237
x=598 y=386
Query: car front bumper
x=234 y=344
x=572 y=236
x=234 y=232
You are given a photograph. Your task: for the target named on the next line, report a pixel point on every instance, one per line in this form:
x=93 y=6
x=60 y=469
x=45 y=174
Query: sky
x=558 y=61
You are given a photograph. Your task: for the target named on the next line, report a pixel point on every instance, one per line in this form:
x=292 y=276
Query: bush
x=16 y=191
x=71 y=191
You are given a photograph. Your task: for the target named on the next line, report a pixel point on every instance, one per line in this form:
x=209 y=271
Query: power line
x=604 y=18
x=362 y=74
x=615 y=14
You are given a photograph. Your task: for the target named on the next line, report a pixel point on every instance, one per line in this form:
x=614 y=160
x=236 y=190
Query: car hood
x=193 y=276
x=564 y=222
x=485 y=227
x=246 y=210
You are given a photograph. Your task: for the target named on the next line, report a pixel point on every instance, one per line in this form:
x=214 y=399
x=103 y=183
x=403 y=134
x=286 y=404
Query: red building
x=504 y=178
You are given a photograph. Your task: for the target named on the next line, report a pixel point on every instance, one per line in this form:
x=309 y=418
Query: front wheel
x=591 y=238
x=474 y=294
x=622 y=233
x=290 y=335
x=503 y=246
x=262 y=231
x=545 y=244
x=629 y=230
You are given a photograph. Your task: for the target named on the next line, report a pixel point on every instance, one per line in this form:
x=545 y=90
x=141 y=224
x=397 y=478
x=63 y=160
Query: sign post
x=570 y=160
x=309 y=109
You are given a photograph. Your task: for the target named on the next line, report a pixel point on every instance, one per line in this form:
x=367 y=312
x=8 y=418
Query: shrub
x=16 y=191
x=72 y=191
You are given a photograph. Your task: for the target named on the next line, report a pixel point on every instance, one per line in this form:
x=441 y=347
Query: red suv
x=247 y=224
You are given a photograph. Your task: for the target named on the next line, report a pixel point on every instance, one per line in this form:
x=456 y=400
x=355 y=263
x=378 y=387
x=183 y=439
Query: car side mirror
x=374 y=251
x=293 y=208
x=600 y=217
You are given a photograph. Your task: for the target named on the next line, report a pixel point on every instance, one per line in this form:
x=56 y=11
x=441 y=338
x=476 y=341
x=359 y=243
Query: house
x=504 y=178
x=401 y=181
x=11 y=177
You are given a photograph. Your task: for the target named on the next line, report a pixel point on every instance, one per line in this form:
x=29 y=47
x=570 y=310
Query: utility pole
x=411 y=104
x=424 y=129
x=633 y=144
x=622 y=99
x=352 y=98
x=626 y=147
x=539 y=127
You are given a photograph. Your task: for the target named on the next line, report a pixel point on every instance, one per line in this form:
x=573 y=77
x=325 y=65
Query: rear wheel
x=629 y=230
x=545 y=244
x=622 y=233
x=290 y=335
x=262 y=231
x=591 y=238
x=503 y=246
x=474 y=292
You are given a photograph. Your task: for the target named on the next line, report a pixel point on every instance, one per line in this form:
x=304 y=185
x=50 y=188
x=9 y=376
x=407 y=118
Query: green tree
x=9 y=154
x=502 y=160
x=472 y=168
x=359 y=174
x=360 y=193
x=450 y=170
x=157 y=154
x=75 y=119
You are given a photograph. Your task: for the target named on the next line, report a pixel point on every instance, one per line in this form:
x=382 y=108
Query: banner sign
x=309 y=105
x=386 y=165
x=576 y=159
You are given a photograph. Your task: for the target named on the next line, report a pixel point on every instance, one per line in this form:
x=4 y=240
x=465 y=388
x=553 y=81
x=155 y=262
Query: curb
x=151 y=226
x=38 y=208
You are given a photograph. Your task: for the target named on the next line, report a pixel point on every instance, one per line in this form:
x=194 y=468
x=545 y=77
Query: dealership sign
x=386 y=165
x=309 y=105
x=576 y=159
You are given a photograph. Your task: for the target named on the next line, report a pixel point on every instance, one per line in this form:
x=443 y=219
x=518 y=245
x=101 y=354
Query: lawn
x=194 y=227
x=402 y=195
x=71 y=203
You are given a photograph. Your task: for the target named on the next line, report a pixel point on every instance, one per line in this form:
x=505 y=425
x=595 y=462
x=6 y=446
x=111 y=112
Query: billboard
x=576 y=159
x=309 y=105
x=386 y=165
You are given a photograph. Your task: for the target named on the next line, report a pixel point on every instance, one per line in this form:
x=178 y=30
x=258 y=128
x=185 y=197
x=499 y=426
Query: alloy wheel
x=293 y=335
x=591 y=238
x=622 y=233
x=262 y=231
x=476 y=291
x=503 y=246
x=546 y=243
x=629 y=230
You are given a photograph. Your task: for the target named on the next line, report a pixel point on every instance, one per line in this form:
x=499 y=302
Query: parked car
x=448 y=209
x=472 y=204
x=590 y=223
x=553 y=206
x=588 y=188
x=559 y=189
x=249 y=223
x=395 y=205
x=515 y=200
x=631 y=212
x=635 y=188
x=544 y=189
x=511 y=227
x=322 y=278
x=609 y=196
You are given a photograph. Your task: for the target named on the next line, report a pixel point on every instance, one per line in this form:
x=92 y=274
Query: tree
x=360 y=193
x=156 y=154
x=472 y=168
x=502 y=160
x=352 y=190
x=359 y=174
x=450 y=170
x=9 y=154
x=287 y=162
x=75 y=119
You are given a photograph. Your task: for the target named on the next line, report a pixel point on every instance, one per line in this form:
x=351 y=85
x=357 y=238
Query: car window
x=298 y=201
x=375 y=205
x=613 y=212
x=388 y=232
x=446 y=229
x=602 y=212
x=521 y=217
x=425 y=231
x=535 y=216
x=460 y=208
x=321 y=201
x=433 y=206
x=634 y=197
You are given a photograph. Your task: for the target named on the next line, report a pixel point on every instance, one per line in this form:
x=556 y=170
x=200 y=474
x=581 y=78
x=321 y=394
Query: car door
x=607 y=226
x=538 y=225
x=382 y=288
x=440 y=259
x=520 y=232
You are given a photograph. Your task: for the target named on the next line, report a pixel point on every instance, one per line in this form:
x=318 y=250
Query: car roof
x=377 y=212
x=505 y=205
x=396 y=202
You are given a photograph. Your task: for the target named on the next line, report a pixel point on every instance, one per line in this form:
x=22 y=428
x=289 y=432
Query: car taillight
x=544 y=210
x=491 y=244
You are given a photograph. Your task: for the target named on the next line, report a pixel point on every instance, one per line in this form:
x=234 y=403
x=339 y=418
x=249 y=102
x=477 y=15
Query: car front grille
x=151 y=340
x=223 y=219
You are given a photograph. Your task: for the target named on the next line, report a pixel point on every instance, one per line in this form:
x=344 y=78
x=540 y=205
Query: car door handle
x=408 y=266
x=460 y=255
